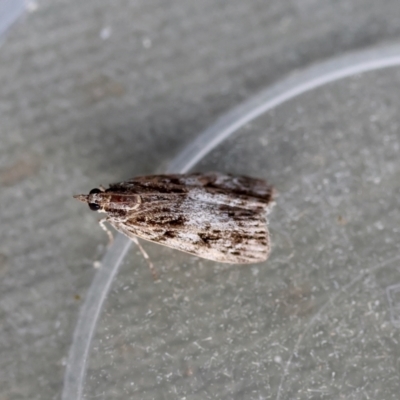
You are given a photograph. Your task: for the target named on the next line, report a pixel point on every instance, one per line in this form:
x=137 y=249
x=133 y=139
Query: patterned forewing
x=214 y=231
x=211 y=187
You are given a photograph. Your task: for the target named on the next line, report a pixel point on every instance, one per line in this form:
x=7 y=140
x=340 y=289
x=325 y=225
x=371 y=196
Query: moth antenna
x=147 y=258
x=105 y=229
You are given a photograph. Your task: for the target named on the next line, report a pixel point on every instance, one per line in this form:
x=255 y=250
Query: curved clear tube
x=10 y=10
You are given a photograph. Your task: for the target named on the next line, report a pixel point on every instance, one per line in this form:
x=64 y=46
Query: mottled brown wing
x=220 y=188
x=212 y=231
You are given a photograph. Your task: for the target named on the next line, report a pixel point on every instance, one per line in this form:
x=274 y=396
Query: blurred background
x=98 y=91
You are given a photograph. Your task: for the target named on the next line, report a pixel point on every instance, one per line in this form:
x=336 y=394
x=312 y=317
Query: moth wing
x=212 y=231
x=256 y=191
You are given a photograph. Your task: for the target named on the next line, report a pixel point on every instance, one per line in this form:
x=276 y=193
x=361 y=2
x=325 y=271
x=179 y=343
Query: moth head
x=93 y=200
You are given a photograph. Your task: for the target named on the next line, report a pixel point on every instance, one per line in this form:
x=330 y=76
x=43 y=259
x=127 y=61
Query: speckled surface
x=319 y=318
x=94 y=92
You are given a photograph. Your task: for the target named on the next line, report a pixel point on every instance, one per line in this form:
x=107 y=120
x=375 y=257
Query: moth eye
x=94 y=206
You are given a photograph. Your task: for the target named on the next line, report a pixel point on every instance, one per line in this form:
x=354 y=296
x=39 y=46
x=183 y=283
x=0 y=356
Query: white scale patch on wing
x=249 y=203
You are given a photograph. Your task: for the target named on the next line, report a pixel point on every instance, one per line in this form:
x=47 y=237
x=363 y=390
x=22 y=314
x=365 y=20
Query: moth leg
x=105 y=229
x=102 y=188
x=147 y=258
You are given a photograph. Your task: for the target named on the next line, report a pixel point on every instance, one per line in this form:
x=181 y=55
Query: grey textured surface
x=313 y=321
x=97 y=91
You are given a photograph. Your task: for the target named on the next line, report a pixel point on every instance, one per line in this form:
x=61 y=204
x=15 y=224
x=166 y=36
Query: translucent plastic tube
x=10 y=10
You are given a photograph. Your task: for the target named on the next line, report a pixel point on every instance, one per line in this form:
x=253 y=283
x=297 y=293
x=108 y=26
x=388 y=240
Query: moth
x=216 y=216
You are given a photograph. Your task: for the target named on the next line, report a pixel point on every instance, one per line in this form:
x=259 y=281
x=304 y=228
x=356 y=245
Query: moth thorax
x=123 y=202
